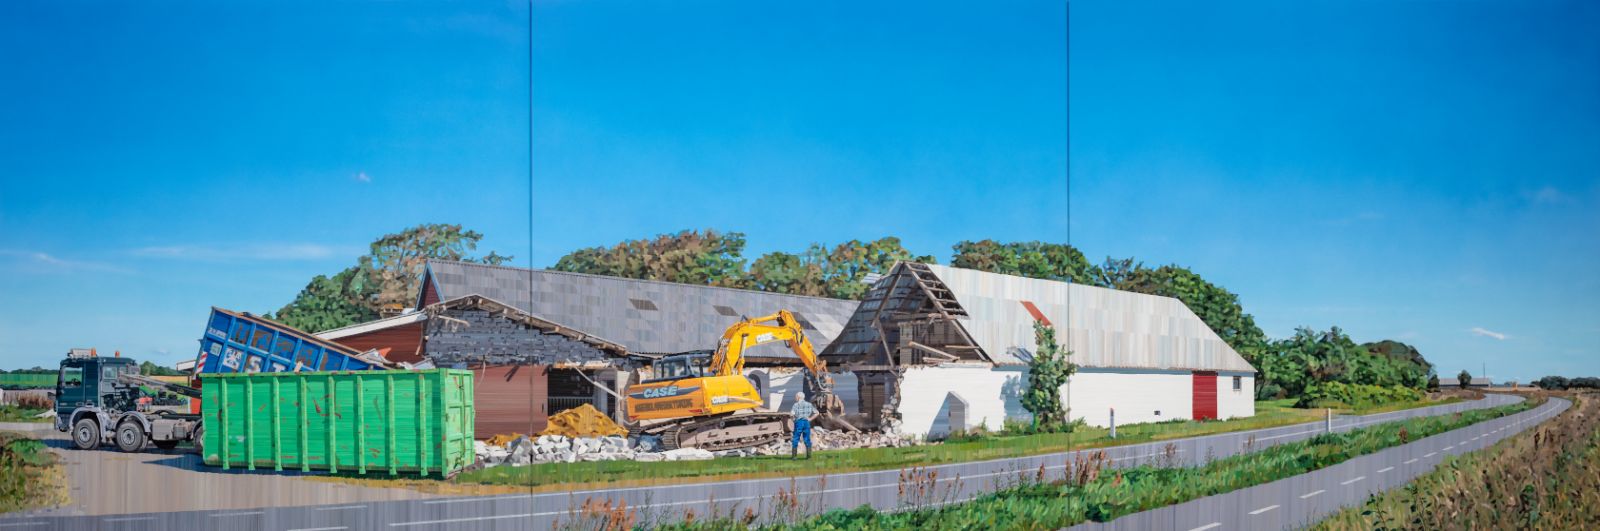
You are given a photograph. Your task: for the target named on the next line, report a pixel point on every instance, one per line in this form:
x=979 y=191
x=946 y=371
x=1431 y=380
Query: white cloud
x=363 y=177
x=1488 y=333
x=45 y=262
x=226 y=253
x=1548 y=195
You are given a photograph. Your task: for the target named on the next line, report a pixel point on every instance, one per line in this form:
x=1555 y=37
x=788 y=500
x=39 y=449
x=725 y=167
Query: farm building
x=544 y=341
x=936 y=349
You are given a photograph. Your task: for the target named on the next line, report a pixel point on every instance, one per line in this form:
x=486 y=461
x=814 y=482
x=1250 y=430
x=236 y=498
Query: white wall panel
x=991 y=395
x=1240 y=403
x=1144 y=396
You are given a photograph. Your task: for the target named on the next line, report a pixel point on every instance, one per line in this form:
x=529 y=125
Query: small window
x=724 y=310
x=71 y=376
x=1238 y=383
x=641 y=304
x=108 y=374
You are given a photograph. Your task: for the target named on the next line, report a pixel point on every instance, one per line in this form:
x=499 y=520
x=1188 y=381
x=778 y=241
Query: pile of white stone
x=822 y=439
x=561 y=449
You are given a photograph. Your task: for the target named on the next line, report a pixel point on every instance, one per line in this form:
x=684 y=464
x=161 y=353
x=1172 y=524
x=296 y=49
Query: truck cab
x=102 y=399
x=88 y=380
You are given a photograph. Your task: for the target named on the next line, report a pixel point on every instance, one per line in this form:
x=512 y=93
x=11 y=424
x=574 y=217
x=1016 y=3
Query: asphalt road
x=1305 y=499
x=880 y=489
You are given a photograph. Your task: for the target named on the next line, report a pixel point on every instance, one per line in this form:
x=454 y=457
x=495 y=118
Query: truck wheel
x=130 y=437
x=200 y=441
x=86 y=434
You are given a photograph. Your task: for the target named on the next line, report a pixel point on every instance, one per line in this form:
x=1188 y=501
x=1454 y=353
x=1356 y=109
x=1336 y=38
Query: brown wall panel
x=511 y=399
x=404 y=342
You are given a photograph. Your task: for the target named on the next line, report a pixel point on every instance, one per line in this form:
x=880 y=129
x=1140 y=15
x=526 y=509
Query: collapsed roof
x=952 y=314
x=644 y=316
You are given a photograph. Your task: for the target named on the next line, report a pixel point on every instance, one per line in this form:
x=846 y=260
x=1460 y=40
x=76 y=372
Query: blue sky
x=1424 y=171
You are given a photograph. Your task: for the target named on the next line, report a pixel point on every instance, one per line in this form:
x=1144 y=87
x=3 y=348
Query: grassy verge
x=1086 y=491
x=29 y=475
x=10 y=413
x=616 y=473
x=1544 y=478
x=564 y=476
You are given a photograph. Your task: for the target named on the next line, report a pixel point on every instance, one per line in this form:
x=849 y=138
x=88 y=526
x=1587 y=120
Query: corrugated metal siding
x=404 y=342
x=686 y=317
x=510 y=399
x=1104 y=327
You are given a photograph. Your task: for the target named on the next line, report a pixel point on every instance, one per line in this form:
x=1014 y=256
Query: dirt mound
x=582 y=421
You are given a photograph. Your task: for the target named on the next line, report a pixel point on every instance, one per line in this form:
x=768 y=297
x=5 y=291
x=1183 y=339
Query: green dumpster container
x=352 y=421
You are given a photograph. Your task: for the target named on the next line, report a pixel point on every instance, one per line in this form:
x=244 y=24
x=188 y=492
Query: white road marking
x=1207 y=526
x=1409 y=461
x=465 y=500
x=341 y=508
x=321 y=529
x=250 y=513
x=474 y=519
x=22 y=524
x=1430 y=454
x=1263 y=509
x=1449 y=448
x=129 y=519
x=1357 y=478
x=1312 y=493
x=1382 y=470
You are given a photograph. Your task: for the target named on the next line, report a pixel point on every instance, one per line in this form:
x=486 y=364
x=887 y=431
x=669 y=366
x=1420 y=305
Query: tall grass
x=29 y=475
x=1077 y=496
x=1545 y=478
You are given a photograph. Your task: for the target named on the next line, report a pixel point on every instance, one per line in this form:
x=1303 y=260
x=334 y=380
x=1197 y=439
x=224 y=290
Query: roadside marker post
x=1113 y=423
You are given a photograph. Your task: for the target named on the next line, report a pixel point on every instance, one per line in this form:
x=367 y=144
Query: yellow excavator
x=705 y=401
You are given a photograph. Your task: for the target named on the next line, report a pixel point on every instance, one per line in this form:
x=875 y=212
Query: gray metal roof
x=1104 y=327
x=645 y=316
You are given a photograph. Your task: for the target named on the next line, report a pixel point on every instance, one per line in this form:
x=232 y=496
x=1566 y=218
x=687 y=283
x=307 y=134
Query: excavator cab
x=680 y=366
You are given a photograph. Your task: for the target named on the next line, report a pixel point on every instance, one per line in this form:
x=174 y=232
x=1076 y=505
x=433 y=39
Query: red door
x=1205 y=395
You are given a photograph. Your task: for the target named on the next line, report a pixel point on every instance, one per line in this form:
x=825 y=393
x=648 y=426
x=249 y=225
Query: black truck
x=102 y=399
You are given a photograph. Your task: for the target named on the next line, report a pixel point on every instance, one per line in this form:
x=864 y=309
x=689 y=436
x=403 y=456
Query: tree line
x=385 y=280
x=1560 y=383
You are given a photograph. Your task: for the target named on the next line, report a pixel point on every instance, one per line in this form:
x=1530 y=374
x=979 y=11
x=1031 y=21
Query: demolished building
x=939 y=349
x=545 y=341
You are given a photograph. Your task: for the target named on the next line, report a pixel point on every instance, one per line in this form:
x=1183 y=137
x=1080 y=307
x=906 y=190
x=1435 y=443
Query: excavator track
x=726 y=432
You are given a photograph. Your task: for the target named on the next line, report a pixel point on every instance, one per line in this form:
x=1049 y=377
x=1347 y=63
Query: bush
x=1357 y=395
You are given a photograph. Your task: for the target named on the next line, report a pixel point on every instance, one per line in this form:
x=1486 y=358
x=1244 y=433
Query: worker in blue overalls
x=803 y=413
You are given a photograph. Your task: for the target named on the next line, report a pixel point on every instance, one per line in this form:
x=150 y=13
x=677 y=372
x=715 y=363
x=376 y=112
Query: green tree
x=838 y=272
x=1048 y=370
x=1465 y=378
x=688 y=257
x=396 y=260
x=382 y=282
x=151 y=369
x=1050 y=261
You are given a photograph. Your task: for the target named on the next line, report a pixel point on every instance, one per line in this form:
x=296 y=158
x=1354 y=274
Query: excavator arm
x=782 y=326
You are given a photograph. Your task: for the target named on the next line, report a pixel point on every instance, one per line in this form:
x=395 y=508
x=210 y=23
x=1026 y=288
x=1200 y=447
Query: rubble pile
x=562 y=449
x=822 y=439
x=582 y=421
x=525 y=450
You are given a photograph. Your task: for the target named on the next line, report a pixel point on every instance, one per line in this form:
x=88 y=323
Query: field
x=29 y=475
x=1088 y=492
x=561 y=476
x=1546 y=478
